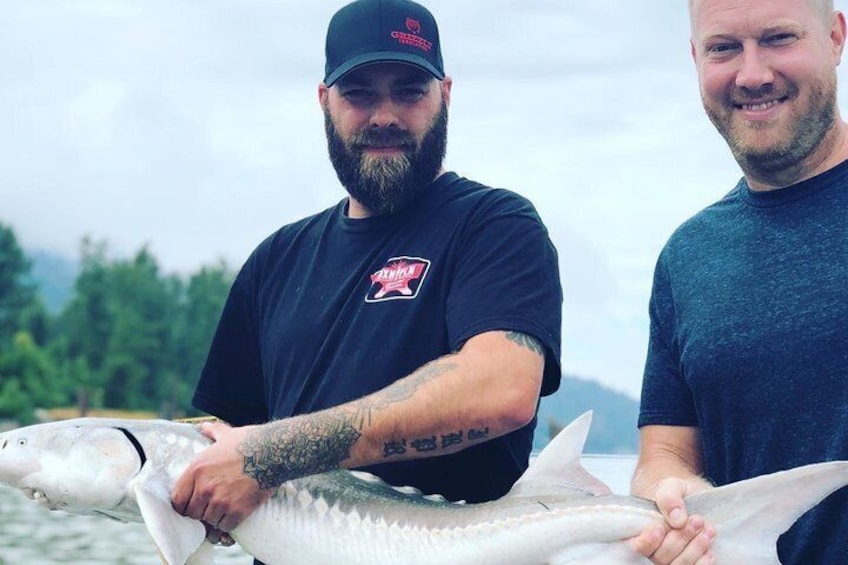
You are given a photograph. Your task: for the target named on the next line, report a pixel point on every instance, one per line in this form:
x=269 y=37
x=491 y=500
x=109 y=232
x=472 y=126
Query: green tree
x=133 y=338
x=17 y=293
x=201 y=307
x=144 y=307
x=29 y=380
x=85 y=326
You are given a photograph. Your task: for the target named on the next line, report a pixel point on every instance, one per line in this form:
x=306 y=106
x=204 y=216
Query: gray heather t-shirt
x=749 y=341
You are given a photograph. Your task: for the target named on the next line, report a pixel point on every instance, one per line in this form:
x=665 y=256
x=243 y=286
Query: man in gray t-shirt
x=748 y=353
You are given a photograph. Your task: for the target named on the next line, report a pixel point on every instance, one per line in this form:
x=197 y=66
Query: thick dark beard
x=780 y=164
x=387 y=185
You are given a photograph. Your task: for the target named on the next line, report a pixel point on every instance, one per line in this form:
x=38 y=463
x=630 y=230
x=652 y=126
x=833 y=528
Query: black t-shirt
x=329 y=309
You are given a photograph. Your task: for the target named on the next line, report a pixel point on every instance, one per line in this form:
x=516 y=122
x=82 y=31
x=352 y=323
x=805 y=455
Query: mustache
x=746 y=95
x=383 y=137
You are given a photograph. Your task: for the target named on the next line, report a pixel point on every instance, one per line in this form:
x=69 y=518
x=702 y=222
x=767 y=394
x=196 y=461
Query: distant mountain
x=55 y=275
x=613 y=421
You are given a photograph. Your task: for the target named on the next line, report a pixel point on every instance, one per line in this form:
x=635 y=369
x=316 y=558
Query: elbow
x=522 y=402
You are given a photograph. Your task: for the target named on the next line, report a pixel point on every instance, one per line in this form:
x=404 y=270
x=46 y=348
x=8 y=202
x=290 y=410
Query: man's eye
x=721 y=48
x=779 y=39
x=410 y=94
x=357 y=96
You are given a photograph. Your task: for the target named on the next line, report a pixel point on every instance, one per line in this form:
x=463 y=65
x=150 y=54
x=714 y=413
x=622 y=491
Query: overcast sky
x=192 y=127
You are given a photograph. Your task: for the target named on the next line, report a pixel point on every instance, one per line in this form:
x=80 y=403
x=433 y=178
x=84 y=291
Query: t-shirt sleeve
x=666 y=398
x=230 y=385
x=507 y=278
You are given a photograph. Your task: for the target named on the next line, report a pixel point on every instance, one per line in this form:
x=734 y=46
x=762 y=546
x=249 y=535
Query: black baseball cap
x=376 y=31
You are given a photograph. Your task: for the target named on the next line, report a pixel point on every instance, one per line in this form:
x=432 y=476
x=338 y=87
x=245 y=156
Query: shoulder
x=290 y=233
x=275 y=246
x=485 y=202
x=710 y=226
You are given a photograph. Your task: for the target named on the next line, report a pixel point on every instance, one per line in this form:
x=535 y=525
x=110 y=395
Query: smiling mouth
x=760 y=106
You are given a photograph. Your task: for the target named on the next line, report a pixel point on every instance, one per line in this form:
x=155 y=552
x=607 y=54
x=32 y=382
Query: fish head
x=70 y=465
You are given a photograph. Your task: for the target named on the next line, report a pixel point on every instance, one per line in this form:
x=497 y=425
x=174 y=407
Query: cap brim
x=382 y=57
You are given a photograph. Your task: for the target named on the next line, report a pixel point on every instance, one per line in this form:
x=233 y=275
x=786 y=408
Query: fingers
x=689 y=545
x=181 y=495
x=650 y=540
x=221 y=516
x=669 y=499
x=212 y=430
x=216 y=536
x=214 y=487
x=189 y=499
x=682 y=539
x=228 y=522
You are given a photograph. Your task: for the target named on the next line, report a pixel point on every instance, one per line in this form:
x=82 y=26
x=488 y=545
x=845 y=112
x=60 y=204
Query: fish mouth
x=42 y=499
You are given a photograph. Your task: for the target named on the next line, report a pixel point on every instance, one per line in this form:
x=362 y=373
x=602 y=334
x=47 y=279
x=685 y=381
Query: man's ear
x=323 y=94
x=445 y=86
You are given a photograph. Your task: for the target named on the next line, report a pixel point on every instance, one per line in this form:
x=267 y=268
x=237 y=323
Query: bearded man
x=409 y=330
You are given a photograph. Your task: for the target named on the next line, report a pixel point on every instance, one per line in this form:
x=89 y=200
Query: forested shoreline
x=130 y=337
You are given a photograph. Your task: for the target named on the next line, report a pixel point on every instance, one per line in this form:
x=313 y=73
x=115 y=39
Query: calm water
x=31 y=535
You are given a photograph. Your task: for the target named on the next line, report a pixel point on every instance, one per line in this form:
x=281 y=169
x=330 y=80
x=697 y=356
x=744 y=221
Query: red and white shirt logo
x=400 y=279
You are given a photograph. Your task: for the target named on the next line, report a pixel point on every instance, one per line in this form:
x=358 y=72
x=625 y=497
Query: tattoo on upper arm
x=289 y=450
x=527 y=341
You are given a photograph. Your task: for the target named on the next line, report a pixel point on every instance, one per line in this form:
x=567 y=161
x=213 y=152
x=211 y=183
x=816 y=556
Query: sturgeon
x=556 y=513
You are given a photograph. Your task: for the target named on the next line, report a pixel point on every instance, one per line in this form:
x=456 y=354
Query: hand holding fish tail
x=214 y=488
x=684 y=539
x=669 y=469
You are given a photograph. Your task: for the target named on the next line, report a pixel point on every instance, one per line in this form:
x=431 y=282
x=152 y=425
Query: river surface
x=30 y=535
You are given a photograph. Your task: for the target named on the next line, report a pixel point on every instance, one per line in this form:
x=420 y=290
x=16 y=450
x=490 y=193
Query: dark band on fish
x=136 y=444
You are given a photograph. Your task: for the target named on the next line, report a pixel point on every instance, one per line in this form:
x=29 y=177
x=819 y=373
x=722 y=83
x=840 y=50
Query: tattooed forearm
x=451 y=439
x=432 y=443
x=477 y=435
x=293 y=448
x=394 y=448
x=405 y=388
x=527 y=341
x=399 y=391
x=424 y=444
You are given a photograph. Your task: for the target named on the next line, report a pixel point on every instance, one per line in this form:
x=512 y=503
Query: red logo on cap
x=413 y=25
x=413 y=37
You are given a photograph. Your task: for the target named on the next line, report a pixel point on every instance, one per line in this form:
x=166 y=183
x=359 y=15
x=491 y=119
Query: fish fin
x=558 y=468
x=176 y=537
x=205 y=554
x=750 y=515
